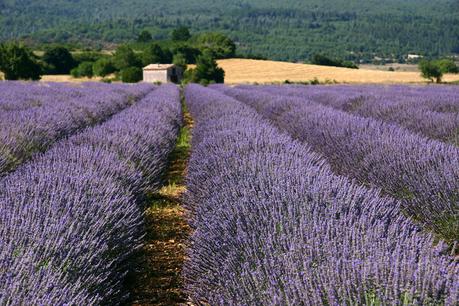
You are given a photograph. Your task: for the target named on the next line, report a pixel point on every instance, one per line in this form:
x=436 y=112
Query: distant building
x=163 y=73
x=414 y=56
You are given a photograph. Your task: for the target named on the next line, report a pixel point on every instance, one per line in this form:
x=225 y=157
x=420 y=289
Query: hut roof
x=158 y=66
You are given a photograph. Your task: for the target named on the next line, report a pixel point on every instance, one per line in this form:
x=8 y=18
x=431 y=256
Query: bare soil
x=157 y=280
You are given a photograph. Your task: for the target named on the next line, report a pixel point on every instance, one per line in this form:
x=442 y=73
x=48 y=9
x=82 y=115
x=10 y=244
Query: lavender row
x=47 y=113
x=17 y=96
x=441 y=99
x=415 y=108
x=70 y=218
x=421 y=172
x=272 y=225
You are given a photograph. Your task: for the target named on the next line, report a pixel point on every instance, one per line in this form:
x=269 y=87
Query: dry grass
x=396 y=66
x=67 y=79
x=239 y=71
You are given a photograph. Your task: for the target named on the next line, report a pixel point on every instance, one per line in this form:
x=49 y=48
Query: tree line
x=19 y=62
x=292 y=30
x=125 y=63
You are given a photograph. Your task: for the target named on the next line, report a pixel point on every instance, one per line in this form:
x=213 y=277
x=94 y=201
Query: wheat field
x=239 y=71
x=247 y=71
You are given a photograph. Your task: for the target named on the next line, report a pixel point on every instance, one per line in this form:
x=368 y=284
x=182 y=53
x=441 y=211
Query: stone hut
x=163 y=73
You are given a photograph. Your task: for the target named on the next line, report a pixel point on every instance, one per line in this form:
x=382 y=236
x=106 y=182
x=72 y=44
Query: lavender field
x=323 y=196
x=71 y=216
x=32 y=117
x=295 y=195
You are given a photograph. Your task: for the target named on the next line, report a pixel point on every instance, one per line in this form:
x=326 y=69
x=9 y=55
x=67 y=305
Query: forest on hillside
x=291 y=30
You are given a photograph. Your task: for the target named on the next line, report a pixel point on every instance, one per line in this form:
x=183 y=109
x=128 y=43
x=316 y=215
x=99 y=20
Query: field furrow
x=157 y=275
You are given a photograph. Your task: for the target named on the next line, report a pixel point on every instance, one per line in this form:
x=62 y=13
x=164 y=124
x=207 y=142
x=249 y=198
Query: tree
x=179 y=60
x=131 y=75
x=125 y=57
x=430 y=71
x=87 y=56
x=220 y=45
x=75 y=72
x=103 y=67
x=84 y=69
x=181 y=34
x=190 y=53
x=349 y=64
x=59 y=60
x=154 y=54
x=323 y=60
x=18 y=62
x=144 y=37
x=447 y=66
x=206 y=71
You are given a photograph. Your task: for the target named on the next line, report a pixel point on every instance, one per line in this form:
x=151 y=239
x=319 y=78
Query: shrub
x=315 y=81
x=323 y=60
x=181 y=34
x=17 y=62
x=206 y=71
x=144 y=36
x=125 y=57
x=131 y=75
x=447 y=66
x=88 y=56
x=154 y=54
x=83 y=70
x=179 y=60
x=75 y=73
x=190 y=53
x=431 y=71
x=59 y=60
x=103 y=67
x=220 y=45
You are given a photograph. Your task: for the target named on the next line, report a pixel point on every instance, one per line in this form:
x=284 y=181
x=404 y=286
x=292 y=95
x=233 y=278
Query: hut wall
x=152 y=76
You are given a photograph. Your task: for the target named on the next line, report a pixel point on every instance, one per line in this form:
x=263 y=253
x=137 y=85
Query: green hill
x=285 y=30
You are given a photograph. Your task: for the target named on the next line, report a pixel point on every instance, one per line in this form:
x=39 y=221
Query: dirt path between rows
x=157 y=280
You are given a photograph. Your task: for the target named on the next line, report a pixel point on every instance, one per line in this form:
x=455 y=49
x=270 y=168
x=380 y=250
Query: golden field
x=67 y=78
x=239 y=71
x=247 y=71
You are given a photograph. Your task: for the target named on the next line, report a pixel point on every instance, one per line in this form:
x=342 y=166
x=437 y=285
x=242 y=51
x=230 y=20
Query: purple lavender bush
x=272 y=225
x=70 y=218
x=430 y=111
x=34 y=116
x=422 y=173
